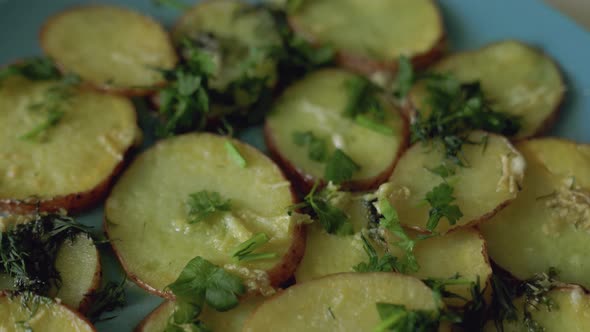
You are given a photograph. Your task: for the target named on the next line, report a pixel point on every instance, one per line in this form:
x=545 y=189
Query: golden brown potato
x=111 y=48
x=340 y=302
x=370 y=36
x=548 y=225
x=316 y=105
x=71 y=164
x=489 y=182
x=519 y=79
x=144 y=217
x=229 y=321
x=39 y=314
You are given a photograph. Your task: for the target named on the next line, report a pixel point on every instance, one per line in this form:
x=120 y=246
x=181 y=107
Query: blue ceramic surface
x=470 y=24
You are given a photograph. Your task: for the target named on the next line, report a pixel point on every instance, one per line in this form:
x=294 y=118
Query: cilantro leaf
x=202 y=282
x=385 y=263
x=440 y=199
x=331 y=218
x=368 y=123
x=244 y=252
x=443 y=170
x=317 y=147
x=391 y=222
x=404 y=78
x=398 y=318
x=340 y=167
x=204 y=203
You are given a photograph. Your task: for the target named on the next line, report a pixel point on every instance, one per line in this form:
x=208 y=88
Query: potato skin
x=74 y=203
x=124 y=91
x=305 y=182
x=279 y=274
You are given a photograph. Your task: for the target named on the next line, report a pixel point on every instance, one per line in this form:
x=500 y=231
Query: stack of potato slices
x=406 y=189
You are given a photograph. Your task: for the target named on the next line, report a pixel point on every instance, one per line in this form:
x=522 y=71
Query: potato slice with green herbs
x=77 y=261
x=236 y=36
x=518 y=79
x=329 y=111
x=370 y=36
x=112 y=48
x=36 y=313
x=425 y=201
x=229 y=321
x=71 y=163
x=548 y=225
x=205 y=196
x=569 y=312
x=461 y=252
x=340 y=302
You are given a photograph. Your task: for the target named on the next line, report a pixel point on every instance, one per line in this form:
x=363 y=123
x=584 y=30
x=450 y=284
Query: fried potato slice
x=229 y=321
x=548 y=225
x=340 y=302
x=70 y=165
x=569 y=312
x=37 y=313
x=518 y=79
x=317 y=105
x=111 y=48
x=369 y=36
x=489 y=182
x=147 y=214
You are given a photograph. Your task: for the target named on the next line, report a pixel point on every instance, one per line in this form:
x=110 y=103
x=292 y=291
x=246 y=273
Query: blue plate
x=470 y=24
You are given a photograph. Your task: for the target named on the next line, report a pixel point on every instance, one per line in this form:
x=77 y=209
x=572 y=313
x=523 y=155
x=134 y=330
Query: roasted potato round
x=146 y=217
x=548 y=225
x=111 y=48
x=316 y=106
x=72 y=163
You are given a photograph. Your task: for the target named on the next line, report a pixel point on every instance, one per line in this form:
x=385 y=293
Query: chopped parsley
x=28 y=251
x=201 y=282
x=34 y=69
x=367 y=122
x=340 y=167
x=204 y=203
x=390 y=221
x=395 y=317
x=245 y=251
x=365 y=107
x=385 y=263
x=235 y=155
x=440 y=199
x=317 y=148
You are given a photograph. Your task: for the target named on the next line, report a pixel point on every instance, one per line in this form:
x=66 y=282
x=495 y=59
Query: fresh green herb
x=439 y=287
x=35 y=69
x=28 y=251
x=109 y=298
x=317 y=147
x=235 y=154
x=474 y=313
x=244 y=252
x=443 y=170
x=502 y=307
x=340 y=167
x=404 y=78
x=368 y=123
x=385 y=263
x=395 y=317
x=363 y=99
x=456 y=109
x=202 y=282
x=204 y=203
x=390 y=221
x=440 y=199
x=184 y=102
x=318 y=205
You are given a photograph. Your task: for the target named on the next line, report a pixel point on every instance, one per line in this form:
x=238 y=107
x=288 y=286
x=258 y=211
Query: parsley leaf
x=391 y=222
x=202 y=282
x=398 y=318
x=443 y=170
x=244 y=252
x=385 y=263
x=368 y=123
x=440 y=199
x=340 y=167
x=404 y=78
x=110 y=297
x=317 y=147
x=34 y=69
x=331 y=218
x=204 y=203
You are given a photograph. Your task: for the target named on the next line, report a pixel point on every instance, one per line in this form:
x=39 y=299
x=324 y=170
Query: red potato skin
x=278 y=275
x=76 y=313
x=304 y=182
x=124 y=91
